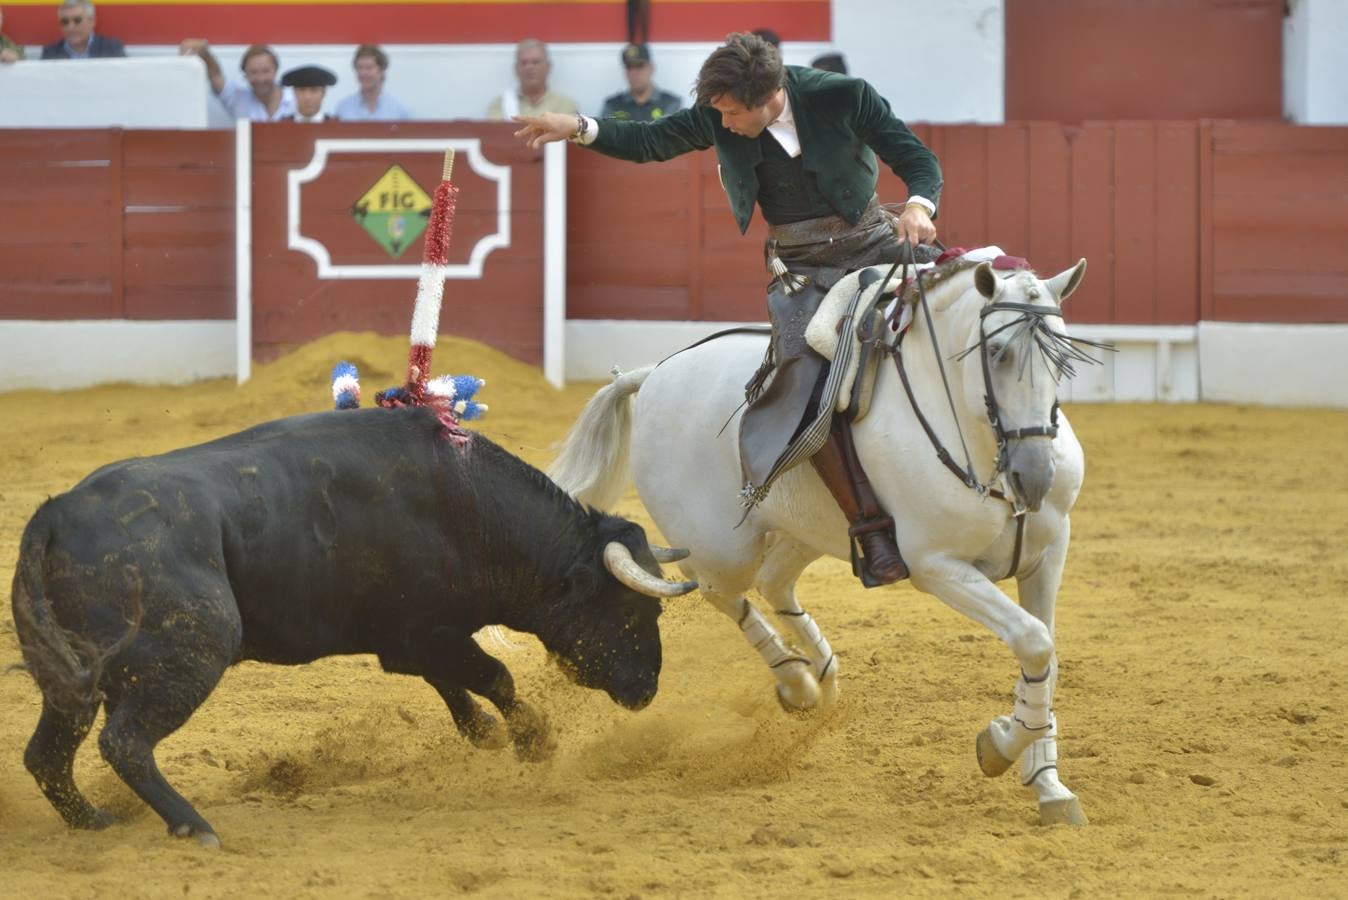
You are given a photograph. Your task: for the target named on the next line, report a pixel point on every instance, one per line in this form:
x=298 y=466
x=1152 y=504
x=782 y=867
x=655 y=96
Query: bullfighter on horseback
x=802 y=145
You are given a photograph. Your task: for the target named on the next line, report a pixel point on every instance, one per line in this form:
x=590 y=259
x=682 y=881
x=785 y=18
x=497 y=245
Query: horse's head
x=1023 y=351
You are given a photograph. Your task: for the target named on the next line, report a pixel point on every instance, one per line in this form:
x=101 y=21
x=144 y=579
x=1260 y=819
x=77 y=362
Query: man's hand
x=8 y=56
x=544 y=129
x=914 y=224
x=192 y=47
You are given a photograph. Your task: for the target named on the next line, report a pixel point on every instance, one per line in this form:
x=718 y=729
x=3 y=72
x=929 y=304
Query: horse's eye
x=999 y=354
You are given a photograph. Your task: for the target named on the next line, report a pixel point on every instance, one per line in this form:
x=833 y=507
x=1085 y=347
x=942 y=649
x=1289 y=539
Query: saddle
x=853 y=311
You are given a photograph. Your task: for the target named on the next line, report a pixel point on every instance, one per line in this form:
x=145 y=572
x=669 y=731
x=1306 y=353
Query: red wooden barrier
x=1180 y=221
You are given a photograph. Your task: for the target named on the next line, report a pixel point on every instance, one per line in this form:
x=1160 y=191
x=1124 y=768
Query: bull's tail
x=66 y=666
x=593 y=465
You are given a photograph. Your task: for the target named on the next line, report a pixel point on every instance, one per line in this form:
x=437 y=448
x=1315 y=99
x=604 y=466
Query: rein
x=966 y=475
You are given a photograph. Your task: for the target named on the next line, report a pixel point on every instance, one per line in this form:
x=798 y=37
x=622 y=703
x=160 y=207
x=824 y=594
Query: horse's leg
x=963 y=588
x=786 y=560
x=1039 y=764
x=797 y=687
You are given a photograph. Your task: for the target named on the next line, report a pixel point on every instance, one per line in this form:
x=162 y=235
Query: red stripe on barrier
x=409 y=23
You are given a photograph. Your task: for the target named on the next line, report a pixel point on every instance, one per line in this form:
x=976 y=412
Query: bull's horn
x=618 y=560
x=668 y=554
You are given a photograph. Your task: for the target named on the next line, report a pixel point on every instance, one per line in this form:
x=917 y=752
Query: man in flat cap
x=642 y=101
x=310 y=84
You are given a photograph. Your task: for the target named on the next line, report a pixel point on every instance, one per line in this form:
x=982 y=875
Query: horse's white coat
x=685 y=462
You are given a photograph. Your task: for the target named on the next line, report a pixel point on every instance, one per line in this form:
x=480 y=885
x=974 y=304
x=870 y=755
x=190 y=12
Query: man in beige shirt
x=532 y=97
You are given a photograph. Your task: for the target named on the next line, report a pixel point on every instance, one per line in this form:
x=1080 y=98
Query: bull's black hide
x=367 y=531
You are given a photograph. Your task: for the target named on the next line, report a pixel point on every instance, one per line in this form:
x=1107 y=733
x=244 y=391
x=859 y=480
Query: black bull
x=368 y=531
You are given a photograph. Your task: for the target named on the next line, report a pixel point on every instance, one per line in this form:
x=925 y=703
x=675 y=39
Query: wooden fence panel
x=1277 y=223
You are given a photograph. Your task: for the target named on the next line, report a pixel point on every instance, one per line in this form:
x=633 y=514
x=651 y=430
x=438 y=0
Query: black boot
x=879 y=561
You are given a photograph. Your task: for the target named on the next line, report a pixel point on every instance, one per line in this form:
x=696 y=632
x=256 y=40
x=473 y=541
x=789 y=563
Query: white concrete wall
x=1315 y=75
x=932 y=68
x=96 y=93
x=935 y=62
x=1274 y=365
x=1152 y=364
x=76 y=354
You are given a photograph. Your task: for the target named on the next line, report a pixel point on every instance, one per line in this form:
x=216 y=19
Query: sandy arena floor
x=1202 y=703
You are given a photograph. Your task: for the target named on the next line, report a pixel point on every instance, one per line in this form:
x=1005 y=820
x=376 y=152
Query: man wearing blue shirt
x=371 y=103
x=262 y=99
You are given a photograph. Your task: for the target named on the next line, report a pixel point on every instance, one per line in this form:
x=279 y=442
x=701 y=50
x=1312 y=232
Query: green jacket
x=842 y=122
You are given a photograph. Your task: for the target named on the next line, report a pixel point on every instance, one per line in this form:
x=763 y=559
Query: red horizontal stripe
x=407 y=23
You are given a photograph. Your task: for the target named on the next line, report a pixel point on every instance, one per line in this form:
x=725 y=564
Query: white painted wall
x=95 y=93
x=935 y=62
x=1315 y=74
x=1274 y=365
x=76 y=354
x=945 y=67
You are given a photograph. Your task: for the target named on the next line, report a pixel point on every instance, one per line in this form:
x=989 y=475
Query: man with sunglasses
x=76 y=18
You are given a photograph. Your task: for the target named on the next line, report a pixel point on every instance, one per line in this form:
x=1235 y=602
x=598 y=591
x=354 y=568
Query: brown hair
x=745 y=68
x=259 y=50
x=373 y=52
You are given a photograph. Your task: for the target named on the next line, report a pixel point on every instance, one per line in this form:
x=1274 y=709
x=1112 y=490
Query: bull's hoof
x=530 y=733
x=1062 y=812
x=94 y=820
x=207 y=838
x=536 y=747
x=486 y=732
x=990 y=759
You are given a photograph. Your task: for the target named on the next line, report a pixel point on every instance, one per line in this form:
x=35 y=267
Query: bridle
x=1058 y=350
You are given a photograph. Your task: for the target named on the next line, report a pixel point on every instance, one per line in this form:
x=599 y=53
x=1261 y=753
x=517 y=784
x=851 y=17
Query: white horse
x=956 y=535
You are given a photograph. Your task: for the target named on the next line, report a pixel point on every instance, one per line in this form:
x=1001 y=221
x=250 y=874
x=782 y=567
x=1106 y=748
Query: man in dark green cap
x=802 y=145
x=642 y=101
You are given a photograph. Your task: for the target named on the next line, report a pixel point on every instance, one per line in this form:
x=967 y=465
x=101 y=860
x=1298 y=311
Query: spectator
x=770 y=36
x=310 y=84
x=371 y=103
x=9 y=51
x=261 y=99
x=642 y=101
x=79 y=41
x=533 y=98
x=830 y=62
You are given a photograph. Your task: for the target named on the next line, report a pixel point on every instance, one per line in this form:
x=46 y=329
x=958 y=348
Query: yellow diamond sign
x=394 y=211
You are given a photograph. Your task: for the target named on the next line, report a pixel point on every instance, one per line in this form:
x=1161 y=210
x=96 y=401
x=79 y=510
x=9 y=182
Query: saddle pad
x=822 y=334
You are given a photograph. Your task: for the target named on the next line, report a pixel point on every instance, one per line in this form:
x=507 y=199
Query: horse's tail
x=66 y=666
x=593 y=463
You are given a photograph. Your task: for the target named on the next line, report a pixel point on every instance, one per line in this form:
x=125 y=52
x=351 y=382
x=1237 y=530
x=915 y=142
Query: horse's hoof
x=799 y=691
x=1062 y=812
x=990 y=759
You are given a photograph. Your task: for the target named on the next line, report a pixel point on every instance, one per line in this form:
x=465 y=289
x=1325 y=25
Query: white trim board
x=1153 y=363
x=84 y=353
